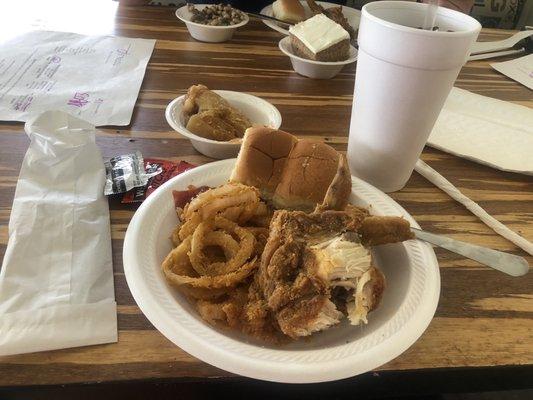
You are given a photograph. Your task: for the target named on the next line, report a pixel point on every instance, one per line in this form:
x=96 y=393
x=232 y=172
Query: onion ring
x=233 y=201
x=246 y=245
x=241 y=199
x=177 y=263
x=204 y=236
x=228 y=312
x=224 y=240
x=262 y=216
x=218 y=283
x=175 y=237
x=215 y=282
x=212 y=312
x=214 y=200
x=190 y=225
x=235 y=213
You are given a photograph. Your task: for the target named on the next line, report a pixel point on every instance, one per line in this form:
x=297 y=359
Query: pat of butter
x=319 y=33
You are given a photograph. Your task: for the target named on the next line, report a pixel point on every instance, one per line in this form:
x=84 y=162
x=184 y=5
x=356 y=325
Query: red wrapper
x=182 y=197
x=169 y=170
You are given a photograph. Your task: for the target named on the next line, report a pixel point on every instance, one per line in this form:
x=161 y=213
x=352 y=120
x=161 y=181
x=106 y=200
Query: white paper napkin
x=490 y=131
x=96 y=78
x=519 y=69
x=56 y=282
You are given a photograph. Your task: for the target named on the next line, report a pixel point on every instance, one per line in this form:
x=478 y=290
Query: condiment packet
x=167 y=170
x=126 y=172
x=182 y=197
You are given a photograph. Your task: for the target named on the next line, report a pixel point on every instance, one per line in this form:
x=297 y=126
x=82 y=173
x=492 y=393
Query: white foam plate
x=352 y=15
x=408 y=305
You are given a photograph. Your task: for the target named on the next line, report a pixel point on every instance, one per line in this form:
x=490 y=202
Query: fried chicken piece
x=313 y=261
x=382 y=230
x=296 y=291
x=261 y=236
x=307 y=316
x=258 y=320
x=335 y=14
x=210 y=116
x=214 y=124
x=366 y=297
x=339 y=190
x=200 y=98
x=238 y=120
x=242 y=309
x=226 y=312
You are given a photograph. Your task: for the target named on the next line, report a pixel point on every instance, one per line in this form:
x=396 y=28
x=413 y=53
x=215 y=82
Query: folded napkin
x=486 y=130
x=56 y=282
x=519 y=69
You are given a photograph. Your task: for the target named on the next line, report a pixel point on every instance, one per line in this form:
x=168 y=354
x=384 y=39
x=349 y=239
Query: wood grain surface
x=484 y=318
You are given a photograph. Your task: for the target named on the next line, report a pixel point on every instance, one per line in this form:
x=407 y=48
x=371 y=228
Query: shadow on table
x=498 y=383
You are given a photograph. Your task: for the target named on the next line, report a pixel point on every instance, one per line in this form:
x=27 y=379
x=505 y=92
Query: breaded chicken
x=312 y=260
x=214 y=124
x=209 y=115
x=200 y=98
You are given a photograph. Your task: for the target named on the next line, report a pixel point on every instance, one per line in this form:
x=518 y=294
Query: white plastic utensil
x=483 y=56
x=269 y=18
x=504 y=262
x=486 y=47
x=442 y=183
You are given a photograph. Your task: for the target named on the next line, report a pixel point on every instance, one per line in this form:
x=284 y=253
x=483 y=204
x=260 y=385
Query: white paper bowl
x=315 y=69
x=259 y=111
x=208 y=33
x=409 y=301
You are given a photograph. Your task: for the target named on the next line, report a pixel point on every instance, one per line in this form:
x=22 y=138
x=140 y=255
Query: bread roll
x=262 y=158
x=288 y=10
x=290 y=173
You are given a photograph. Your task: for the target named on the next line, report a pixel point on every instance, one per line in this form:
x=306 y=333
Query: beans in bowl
x=216 y=15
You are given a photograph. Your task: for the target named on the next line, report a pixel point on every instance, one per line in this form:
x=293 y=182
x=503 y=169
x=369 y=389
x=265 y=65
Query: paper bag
x=56 y=282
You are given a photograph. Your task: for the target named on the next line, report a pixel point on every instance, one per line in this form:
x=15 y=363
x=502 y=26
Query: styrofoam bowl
x=258 y=111
x=315 y=69
x=208 y=33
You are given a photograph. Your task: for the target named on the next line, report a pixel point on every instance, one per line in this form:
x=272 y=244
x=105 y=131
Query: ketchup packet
x=168 y=169
x=182 y=197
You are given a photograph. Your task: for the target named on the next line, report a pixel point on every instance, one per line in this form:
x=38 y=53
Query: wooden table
x=484 y=318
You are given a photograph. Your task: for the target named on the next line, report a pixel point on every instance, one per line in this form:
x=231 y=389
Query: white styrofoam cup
x=403 y=77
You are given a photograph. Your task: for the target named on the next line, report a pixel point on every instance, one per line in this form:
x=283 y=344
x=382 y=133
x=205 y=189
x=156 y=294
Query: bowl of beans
x=211 y=22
